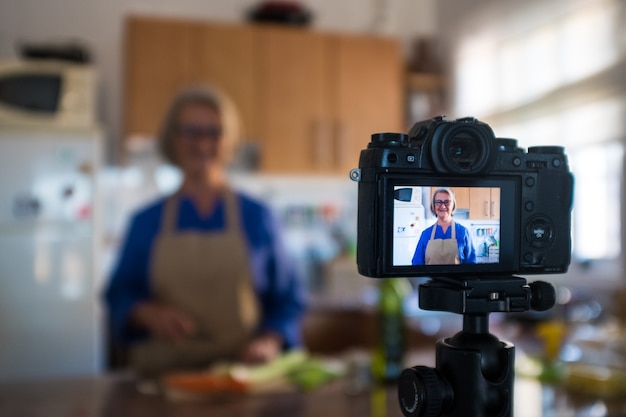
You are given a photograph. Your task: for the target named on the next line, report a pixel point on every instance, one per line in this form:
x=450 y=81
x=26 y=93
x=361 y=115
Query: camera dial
x=389 y=140
x=423 y=392
x=508 y=145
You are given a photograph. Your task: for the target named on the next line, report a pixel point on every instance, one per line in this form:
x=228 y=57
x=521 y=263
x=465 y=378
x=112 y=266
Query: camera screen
x=444 y=225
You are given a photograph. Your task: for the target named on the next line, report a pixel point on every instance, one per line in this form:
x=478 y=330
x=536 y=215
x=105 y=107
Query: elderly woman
x=445 y=242
x=203 y=274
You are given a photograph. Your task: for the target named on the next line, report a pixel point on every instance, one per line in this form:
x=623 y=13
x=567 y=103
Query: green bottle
x=388 y=356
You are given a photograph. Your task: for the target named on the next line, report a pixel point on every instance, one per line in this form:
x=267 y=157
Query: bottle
x=389 y=351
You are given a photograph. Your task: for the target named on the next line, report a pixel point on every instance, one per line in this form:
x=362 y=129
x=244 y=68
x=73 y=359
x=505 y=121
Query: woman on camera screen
x=446 y=242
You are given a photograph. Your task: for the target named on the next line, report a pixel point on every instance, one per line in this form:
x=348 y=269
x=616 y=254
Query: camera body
x=531 y=202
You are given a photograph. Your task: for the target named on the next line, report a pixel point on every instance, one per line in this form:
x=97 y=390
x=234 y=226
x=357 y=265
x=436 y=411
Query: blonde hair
x=452 y=200
x=203 y=96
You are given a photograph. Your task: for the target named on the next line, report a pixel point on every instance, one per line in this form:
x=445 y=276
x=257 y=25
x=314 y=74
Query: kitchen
x=298 y=148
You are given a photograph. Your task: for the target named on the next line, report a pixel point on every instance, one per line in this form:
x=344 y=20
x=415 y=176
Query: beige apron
x=442 y=251
x=206 y=275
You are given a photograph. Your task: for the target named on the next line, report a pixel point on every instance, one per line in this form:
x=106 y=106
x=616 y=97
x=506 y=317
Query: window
x=551 y=80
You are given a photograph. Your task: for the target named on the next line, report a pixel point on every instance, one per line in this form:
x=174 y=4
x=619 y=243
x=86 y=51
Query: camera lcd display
x=446 y=225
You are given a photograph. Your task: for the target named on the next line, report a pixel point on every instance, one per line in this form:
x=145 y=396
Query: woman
x=445 y=242
x=202 y=274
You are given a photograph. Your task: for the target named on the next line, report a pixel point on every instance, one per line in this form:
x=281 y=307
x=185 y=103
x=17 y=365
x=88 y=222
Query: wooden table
x=117 y=396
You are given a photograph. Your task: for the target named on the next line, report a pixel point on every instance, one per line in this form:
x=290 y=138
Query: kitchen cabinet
x=164 y=55
x=484 y=203
x=324 y=96
x=461 y=195
x=295 y=132
x=368 y=94
x=308 y=99
x=226 y=56
x=158 y=60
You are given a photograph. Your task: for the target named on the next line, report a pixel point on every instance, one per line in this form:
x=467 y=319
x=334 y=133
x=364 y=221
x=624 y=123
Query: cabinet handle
x=342 y=144
x=322 y=139
x=487 y=208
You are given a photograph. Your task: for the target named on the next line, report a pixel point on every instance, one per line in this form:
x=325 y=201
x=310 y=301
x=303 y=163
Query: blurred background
x=84 y=84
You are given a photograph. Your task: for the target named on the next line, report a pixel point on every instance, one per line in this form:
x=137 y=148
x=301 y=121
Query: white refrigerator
x=409 y=217
x=50 y=311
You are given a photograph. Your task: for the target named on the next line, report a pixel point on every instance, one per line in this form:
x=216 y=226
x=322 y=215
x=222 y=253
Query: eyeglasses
x=196 y=132
x=444 y=202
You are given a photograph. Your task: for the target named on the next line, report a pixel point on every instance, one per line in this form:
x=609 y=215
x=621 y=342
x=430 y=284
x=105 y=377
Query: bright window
x=546 y=80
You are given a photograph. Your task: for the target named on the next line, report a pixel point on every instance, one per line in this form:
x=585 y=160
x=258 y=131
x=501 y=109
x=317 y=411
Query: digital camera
x=511 y=208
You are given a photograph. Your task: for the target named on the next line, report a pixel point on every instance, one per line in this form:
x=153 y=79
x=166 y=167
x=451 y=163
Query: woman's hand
x=262 y=348
x=163 y=322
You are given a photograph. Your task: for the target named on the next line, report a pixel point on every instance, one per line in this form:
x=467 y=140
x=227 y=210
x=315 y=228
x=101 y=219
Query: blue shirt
x=277 y=284
x=467 y=253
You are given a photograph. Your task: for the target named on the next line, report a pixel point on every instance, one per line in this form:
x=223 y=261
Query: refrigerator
x=50 y=311
x=409 y=217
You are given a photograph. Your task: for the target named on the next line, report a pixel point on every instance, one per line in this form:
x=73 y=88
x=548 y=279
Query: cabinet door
x=367 y=94
x=480 y=203
x=296 y=134
x=484 y=203
x=158 y=60
x=461 y=195
x=494 y=208
x=224 y=57
x=165 y=55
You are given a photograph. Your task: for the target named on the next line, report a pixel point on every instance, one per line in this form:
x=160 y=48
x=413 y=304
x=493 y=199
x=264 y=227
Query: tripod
x=474 y=371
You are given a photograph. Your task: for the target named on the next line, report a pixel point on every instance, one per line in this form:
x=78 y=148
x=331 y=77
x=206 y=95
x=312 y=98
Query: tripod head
x=474 y=371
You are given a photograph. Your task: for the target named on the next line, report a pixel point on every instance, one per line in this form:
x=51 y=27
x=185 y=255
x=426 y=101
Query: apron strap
x=232 y=219
x=170 y=214
x=452 y=225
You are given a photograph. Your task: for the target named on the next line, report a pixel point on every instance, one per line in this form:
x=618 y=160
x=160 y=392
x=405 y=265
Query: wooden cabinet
x=225 y=57
x=461 y=195
x=163 y=56
x=484 y=203
x=158 y=62
x=323 y=96
x=367 y=94
x=293 y=101
x=309 y=99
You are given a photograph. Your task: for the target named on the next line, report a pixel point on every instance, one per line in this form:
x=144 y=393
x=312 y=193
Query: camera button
x=517 y=161
x=556 y=162
x=392 y=157
x=410 y=158
x=530 y=206
x=530 y=182
x=540 y=232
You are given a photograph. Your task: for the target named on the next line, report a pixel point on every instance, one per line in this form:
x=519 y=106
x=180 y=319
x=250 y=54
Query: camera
x=514 y=205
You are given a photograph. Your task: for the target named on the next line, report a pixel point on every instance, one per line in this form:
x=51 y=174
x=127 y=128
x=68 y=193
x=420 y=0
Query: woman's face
x=443 y=205
x=198 y=140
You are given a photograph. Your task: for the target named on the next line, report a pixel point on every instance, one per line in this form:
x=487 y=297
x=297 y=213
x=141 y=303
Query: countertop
x=116 y=395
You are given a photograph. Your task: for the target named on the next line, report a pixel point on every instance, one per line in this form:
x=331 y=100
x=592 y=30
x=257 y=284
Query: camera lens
x=463 y=148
